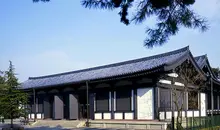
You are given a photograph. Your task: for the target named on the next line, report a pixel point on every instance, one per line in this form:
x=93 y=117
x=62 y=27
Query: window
x=193 y=100
x=123 y=100
x=102 y=101
x=165 y=99
x=178 y=97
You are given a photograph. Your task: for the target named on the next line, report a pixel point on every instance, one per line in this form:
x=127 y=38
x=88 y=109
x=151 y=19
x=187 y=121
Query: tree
x=192 y=82
x=2 y=80
x=216 y=71
x=12 y=97
x=170 y=14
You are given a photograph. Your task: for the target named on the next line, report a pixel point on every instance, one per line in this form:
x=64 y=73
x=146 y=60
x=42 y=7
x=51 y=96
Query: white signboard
x=145 y=108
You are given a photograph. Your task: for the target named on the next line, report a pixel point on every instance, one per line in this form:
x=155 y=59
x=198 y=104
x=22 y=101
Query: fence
x=201 y=123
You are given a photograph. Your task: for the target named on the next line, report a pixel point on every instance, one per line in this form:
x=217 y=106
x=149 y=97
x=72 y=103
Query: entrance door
x=83 y=111
x=51 y=104
x=66 y=106
x=82 y=105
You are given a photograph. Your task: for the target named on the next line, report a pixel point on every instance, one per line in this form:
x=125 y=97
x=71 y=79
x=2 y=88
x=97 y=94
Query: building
x=138 y=89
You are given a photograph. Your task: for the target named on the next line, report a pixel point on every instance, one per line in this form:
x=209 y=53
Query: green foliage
x=216 y=71
x=12 y=98
x=170 y=14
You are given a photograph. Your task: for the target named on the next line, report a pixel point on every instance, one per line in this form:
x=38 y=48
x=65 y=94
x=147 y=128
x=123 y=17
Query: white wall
x=145 y=103
x=169 y=114
x=203 y=104
x=98 y=115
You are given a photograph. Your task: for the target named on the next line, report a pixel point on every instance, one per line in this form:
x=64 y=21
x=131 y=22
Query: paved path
x=60 y=128
x=46 y=128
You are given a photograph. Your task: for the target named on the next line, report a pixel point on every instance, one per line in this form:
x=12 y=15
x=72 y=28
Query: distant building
x=130 y=90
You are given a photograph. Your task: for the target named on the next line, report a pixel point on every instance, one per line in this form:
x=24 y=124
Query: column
x=199 y=106
x=91 y=106
x=112 y=104
x=212 y=101
x=35 y=107
x=135 y=104
x=156 y=103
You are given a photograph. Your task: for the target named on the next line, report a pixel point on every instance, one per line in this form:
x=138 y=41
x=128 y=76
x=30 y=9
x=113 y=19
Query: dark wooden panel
x=40 y=102
x=91 y=105
x=123 y=100
x=165 y=99
x=102 y=101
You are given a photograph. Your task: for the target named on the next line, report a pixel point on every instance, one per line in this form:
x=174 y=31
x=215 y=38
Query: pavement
x=51 y=128
x=60 y=128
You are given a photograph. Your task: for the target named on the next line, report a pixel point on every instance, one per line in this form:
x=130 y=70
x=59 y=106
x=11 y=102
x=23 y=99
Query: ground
x=56 y=128
x=60 y=128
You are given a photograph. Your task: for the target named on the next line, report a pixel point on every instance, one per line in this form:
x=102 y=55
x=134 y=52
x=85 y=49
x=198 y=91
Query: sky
x=60 y=36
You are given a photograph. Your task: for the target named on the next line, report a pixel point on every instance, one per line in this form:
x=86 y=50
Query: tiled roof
x=107 y=71
x=203 y=61
x=200 y=60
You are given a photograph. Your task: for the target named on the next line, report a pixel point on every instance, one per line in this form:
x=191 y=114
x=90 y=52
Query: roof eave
x=136 y=74
x=180 y=60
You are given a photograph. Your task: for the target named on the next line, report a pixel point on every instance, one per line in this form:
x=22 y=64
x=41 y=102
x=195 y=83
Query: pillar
x=91 y=105
x=112 y=104
x=135 y=103
x=35 y=106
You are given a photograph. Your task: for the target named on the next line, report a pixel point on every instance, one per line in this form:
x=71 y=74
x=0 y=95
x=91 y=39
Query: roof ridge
x=201 y=56
x=117 y=64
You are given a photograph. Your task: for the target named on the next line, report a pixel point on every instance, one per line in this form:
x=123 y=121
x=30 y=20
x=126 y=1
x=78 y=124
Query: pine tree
x=12 y=98
x=171 y=15
x=216 y=72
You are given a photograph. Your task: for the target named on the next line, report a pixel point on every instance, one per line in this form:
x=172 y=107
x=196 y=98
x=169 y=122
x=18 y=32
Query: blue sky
x=60 y=36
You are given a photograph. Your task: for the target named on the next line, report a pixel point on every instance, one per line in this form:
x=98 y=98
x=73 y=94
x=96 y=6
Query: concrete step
x=56 y=123
x=150 y=125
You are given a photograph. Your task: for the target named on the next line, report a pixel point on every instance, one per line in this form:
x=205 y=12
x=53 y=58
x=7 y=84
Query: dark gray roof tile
x=107 y=71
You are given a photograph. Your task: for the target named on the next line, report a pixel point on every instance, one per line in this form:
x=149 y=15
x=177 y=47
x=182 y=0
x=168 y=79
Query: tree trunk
x=11 y=122
x=11 y=118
